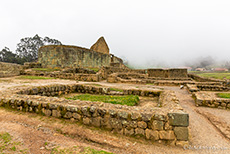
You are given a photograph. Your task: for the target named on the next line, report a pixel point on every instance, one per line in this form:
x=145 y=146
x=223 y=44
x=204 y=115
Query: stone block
x=56 y=113
x=178 y=119
x=157 y=125
x=181 y=133
x=129 y=132
x=142 y=124
x=151 y=135
x=123 y=114
x=115 y=123
x=96 y=121
x=167 y=135
x=68 y=115
x=147 y=117
x=77 y=116
x=86 y=121
x=139 y=131
x=135 y=116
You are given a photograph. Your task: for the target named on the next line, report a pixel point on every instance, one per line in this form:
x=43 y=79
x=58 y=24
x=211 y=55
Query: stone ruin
x=73 y=56
x=165 y=123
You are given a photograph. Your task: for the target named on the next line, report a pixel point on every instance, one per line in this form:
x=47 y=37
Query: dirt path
x=40 y=134
x=202 y=124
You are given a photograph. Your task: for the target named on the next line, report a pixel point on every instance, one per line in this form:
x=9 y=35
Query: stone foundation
x=167 y=123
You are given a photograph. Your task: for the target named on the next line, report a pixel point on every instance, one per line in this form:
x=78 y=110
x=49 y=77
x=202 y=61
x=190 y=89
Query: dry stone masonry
x=166 y=123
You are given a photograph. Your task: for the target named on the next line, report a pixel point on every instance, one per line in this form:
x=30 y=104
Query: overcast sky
x=143 y=31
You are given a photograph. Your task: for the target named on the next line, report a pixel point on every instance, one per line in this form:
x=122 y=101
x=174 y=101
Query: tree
x=28 y=47
x=7 y=56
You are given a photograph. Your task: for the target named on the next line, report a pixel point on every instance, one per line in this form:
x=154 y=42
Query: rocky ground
x=209 y=128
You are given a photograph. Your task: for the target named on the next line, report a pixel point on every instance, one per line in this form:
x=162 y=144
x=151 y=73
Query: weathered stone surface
x=129 y=132
x=146 y=117
x=157 y=125
x=96 y=121
x=100 y=46
x=135 y=116
x=151 y=135
x=77 y=116
x=73 y=56
x=142 y=124
x=183 y=144
x=86 y=121
x=181 y=133
x=139 y=131
x=167 y=135
x=178 y=119
x=68 y=115
x=123 y=114
x=115 y=123
x=46 y=112
x=56 y=113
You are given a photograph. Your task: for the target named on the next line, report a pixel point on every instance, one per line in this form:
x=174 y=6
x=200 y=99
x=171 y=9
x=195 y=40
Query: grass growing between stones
x=115 y=89
x=223 y=95
x=8 y=146
x=215 y=75
x=130 y=100
x=35 y=77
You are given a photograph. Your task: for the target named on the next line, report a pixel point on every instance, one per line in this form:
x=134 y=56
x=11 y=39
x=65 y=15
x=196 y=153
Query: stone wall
x=9 y=69
x=167 y=123
x=210 y=100
x=71 y=76
x=168 y=73
x=106 y=71
x=72 y=56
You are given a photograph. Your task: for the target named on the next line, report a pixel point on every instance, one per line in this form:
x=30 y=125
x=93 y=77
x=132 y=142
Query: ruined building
x=73 y=56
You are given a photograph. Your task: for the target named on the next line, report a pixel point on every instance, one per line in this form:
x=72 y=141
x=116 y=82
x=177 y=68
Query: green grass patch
x=46 y=69
x=35 y=77
x=215 y=75
x=223 y=95
x=94 y=69
x=115 y=89
x=8 y=146
x=129 y=100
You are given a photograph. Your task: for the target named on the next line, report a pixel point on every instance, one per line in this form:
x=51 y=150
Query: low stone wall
x=167 y=123
x=32 y=65
x=203 y=79
x=55 y=90
x=9 y=69
x=106 y=71
x=72 y=76
x=211 y=100
x=212 y=88
x=167 y=73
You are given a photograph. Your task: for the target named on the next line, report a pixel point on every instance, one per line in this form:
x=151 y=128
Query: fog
x=147 y=33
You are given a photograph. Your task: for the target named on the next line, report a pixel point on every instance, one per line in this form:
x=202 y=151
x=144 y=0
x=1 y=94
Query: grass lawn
x=215 y=75
x=223 y=95
x=129 y=100
x=34 y=77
